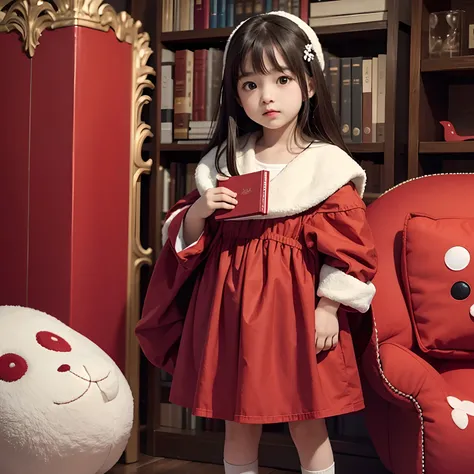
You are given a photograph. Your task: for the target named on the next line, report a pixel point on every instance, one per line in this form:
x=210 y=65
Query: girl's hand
x=212 y=199
x=326 y=325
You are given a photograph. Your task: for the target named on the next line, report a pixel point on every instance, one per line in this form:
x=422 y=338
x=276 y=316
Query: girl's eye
x=284 y=80
x=250 y=86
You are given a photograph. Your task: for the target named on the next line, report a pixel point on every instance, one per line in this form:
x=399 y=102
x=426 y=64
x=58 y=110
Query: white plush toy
x=65 y=407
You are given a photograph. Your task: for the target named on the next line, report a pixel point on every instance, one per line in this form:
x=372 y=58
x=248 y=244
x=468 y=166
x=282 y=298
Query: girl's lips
x=271 y=113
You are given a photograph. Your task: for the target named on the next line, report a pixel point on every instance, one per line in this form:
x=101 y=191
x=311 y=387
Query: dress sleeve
x=172 y=231
x=338 y=230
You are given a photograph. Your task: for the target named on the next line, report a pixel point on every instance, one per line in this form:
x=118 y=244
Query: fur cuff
x=166 y=225
x=337 y=286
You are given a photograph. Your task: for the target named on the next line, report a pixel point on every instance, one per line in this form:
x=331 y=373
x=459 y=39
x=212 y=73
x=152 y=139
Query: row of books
x=178 y=180
x=348 y=12
x=190 y=90
x=183 y=15
x=358 y=92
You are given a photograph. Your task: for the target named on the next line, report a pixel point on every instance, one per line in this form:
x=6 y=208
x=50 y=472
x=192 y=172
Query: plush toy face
x=59 y=392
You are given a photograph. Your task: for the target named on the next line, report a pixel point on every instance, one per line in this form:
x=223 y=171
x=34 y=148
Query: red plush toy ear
x=52 y=342
x=12 y=367
x=439 y=278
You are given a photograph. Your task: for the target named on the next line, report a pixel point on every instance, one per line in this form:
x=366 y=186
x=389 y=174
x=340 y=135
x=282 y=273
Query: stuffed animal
x=65 y=407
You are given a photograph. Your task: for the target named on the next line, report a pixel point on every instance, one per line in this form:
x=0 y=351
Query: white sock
x=247 y=469
x=329 y=470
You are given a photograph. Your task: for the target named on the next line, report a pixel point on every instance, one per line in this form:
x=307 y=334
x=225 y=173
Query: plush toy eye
x=460 y=290
x=52 y=342
x=457 y=258
x=12 y=367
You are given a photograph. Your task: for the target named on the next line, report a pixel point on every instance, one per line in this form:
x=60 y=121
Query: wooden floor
x=148 y=465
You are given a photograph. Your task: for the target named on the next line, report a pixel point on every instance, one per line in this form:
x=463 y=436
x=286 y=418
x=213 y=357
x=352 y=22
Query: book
x=252 y=195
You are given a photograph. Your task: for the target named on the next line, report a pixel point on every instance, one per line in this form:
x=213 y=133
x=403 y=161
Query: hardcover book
x=252 y=195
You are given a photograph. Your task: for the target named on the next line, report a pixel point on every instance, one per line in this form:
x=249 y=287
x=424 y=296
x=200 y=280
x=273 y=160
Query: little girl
x=244 y=313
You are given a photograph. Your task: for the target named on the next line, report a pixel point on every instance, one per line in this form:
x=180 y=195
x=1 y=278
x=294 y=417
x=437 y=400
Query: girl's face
x=273 y=100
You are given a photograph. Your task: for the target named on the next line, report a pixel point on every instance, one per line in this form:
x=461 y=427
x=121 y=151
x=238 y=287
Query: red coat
x=232 y=317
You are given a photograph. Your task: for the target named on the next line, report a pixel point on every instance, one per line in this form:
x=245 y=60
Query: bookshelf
x=354 y=452
x=439 y=89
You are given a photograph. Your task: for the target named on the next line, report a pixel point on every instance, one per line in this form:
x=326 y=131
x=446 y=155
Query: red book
x=252 y=195
x=199 y=92
x=201 y=14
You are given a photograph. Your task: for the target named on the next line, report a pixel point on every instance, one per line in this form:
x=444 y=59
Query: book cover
x=252 y=195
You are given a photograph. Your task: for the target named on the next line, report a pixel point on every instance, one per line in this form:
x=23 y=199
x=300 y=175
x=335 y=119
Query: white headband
x=303 y=25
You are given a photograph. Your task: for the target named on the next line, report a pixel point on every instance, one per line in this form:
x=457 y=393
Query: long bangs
x=259 y=46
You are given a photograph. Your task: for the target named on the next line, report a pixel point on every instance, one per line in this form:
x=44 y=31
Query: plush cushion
x=439 y=282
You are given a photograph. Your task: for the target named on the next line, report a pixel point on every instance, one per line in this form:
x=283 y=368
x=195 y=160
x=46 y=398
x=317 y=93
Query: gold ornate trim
x=138 y=256
x=31 y=17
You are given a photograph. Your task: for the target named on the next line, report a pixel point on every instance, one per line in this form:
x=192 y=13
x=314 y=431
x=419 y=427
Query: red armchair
x=418 y=369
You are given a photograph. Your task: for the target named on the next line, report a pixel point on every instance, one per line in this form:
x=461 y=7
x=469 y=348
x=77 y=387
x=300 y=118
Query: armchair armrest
x=401 y=377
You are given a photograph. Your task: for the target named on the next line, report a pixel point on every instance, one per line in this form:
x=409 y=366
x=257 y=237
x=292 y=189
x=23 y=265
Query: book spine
x=367 y=100
x=230 y=22
x=346 y=98
x=295 y=7
x=381 y=97
x=201 y=14
x=265 y=176
x=304 y=10
x=167 y=86
x=213 y=14
x=239 y=11
x=199 y=92
x=357 y=100
x=375 y=94
x=221 y=13
x=183 y=98
x=335 y=85
x=258 y=7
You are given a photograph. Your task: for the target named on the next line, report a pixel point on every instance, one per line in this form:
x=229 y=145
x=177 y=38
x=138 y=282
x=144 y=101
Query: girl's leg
x=313 y=445
x=241 y=448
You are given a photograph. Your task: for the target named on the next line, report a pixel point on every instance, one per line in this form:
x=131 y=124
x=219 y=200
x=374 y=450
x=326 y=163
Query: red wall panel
x=14 y=149
x=80 y=170
x=102 y=127
x=51 y=190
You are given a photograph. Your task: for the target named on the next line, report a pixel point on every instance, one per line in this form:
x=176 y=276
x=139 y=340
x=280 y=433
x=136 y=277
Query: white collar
x=313 y=176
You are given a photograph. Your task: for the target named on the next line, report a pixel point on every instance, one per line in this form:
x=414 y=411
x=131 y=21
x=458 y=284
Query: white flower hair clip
x=308 y=54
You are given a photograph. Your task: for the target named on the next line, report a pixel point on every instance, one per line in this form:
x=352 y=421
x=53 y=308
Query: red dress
x=232 y=316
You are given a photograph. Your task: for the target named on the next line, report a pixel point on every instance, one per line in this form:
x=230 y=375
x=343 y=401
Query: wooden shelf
x=446 y=147
x=366 y=147
x=182 y=148
x=456 y=64
x=353 y=147
x=220 y=35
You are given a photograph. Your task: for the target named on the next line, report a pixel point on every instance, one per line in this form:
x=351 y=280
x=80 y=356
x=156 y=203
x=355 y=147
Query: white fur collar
x=313 y=176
